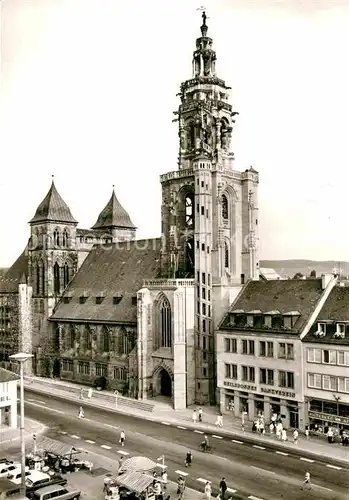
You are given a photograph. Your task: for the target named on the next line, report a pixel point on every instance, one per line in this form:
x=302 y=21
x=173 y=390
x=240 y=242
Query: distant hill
x=288 y=268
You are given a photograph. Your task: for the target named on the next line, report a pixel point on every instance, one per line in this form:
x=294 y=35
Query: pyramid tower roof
x=53 y=208
x=113 y=215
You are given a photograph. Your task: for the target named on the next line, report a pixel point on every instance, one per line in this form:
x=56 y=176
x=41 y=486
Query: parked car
x=56 y=491
x=15 y=476
x=6 y=469
x=38 y=480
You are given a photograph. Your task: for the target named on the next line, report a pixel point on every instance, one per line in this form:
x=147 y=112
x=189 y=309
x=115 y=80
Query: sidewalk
x=162 y=412
x=8 y=435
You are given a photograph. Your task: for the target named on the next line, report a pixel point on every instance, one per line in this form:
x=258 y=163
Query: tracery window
x=224 y=207
x=65 y=275
x=105 y=344
x=226 y=255
x=56 y=281
x=165 y=323
x=56 y=238
x=65 y=238
x=189 y=211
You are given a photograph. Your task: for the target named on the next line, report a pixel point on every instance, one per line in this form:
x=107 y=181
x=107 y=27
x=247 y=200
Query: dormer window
x=340 y=330
x=321 y=329
x=117 y=300
x=83 y=297
x=134 y=300
x=277 y=321
x=240 y=320
x=258 y=321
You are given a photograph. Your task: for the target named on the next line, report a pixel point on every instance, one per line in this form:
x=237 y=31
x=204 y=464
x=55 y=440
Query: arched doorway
x=165 y=384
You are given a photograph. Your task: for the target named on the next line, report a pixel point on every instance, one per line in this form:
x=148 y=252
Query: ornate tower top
x=53 y=209
x=204 y=57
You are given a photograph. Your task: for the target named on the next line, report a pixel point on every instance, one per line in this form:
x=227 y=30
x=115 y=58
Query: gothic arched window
x=56 y=281
x=56 y=238
x=226 y=255
x=105 y=344
x=165 y=323
x=37 y=279
x=189 y=210
x=65 y=275
x=224 y=207
x=42 y=283
x=65 y=238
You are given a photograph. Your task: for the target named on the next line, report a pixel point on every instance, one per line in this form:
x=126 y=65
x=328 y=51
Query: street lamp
x=21 y=357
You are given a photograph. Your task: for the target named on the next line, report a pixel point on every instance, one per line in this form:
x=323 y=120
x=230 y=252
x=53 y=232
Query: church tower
x=209 y=210
x=53 y=262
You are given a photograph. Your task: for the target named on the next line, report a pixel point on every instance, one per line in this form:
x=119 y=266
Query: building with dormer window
x=259 y=347
x=326 y=364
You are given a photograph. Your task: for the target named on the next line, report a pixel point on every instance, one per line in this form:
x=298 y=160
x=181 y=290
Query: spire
x=113 y=216
x=53 y=209
x=204 y=57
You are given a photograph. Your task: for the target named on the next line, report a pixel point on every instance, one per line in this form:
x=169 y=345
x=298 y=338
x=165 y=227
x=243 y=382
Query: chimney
x=325 y=279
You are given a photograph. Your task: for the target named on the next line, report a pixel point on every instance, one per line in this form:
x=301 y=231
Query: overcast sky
x=88 y=90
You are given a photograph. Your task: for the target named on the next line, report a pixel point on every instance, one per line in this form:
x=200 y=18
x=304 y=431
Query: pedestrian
x=122 y=438
x=208 y=490
x=200 y=414
x=81 y=393
x=306 y=481
x=188 y=459
x=219 y=421
x=271 y=428
x=164 y=479
x=180 y=488
x=223 y=488
x=283 y=435
x=120 y=464
x=295 y=436
x=261 y=427
x=330 y=435
x=89 y=394
x=81 y=413
x=194 y=417
x=307 y=431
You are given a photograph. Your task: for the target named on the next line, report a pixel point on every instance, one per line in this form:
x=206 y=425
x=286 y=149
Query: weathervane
x=204 y=16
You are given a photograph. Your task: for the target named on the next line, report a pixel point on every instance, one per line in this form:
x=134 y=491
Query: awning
x=139 y=464
x=56 y=447
x=134 y=481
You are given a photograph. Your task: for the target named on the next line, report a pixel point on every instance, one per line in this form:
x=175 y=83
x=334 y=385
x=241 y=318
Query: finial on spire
x=53 y=176
x=113 y=186
x=204 y=17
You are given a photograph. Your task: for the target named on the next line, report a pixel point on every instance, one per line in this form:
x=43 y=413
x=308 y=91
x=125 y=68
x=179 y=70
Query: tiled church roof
x=116 y=270
x=281 y=295
x=113 y=215
x=53 y=208
x=15 y=275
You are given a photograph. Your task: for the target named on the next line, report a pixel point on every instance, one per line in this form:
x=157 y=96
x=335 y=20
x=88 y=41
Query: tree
x=298 y=276
x=313 y=274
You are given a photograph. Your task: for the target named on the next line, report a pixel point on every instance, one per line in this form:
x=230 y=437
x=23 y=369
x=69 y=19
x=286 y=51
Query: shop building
x=326 y=364
x=259 y=348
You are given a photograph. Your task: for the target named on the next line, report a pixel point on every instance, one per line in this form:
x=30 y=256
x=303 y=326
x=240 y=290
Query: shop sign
x=328 y=417
x=278 y=393
x=237 y=385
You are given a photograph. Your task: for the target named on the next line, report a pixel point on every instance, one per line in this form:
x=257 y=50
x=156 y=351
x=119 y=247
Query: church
x=142 y=314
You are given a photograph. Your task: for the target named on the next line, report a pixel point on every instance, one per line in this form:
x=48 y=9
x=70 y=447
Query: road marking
x=181 y=473
x=199 y=432
x=282 y=453
x=112 y=426
x=122 y=452
x=230 y=490
x=37 y=401
x=165 y=423
x=90 y=441
x=180 y=427
x=74 y=436
x=251 y=497
x=322 y=487
x=201 y=480
x=217 y=437
x=262 y=470
x=334 y=467
x=63 y=432
x=106 y=447
x=43 y=406
x=259 y=447
x=307 y=460
x=236 y=441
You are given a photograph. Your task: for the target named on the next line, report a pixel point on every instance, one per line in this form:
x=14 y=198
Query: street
x=249 y=470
